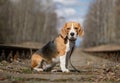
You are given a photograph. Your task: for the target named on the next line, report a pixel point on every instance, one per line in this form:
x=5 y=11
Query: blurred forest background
x=27 y=20
x=102 y=23
x=35 y=21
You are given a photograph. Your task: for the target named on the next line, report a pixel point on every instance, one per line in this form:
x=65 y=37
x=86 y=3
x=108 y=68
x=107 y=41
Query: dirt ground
x=92 y=70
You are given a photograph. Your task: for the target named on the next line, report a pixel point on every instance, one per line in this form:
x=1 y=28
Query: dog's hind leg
x=36 y=62
x=38 y=68
x=50 y=66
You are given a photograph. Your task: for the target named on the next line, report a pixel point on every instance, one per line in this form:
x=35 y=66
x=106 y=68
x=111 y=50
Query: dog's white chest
x=68 y=46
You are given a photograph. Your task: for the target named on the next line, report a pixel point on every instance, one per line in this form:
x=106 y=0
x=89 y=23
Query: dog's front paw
x=66 y=70
x=54 y=70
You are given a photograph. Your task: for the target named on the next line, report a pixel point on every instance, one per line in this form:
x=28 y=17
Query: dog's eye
x=75 y=28
x=68 y=28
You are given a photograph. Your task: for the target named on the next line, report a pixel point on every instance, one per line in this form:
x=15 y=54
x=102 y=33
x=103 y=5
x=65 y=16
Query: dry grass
x=93 y=70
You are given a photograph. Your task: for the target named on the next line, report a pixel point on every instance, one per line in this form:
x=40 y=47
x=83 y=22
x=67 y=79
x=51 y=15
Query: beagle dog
x=55 y=51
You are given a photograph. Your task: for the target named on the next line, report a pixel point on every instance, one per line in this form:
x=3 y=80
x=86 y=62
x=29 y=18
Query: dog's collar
x=61 y=36
x=65 y=39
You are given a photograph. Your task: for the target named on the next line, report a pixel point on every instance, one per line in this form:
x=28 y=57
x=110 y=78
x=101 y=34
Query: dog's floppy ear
x=80 y=31
x=63 y=32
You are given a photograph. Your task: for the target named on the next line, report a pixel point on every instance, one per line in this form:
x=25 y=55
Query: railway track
x=15 y=52
x=110 y=51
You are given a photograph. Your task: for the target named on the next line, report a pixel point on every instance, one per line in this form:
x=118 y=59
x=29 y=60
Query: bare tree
x=27 y=20
x=100 y=23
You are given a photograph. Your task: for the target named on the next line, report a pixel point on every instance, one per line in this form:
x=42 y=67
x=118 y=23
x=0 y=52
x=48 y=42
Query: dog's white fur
x=63 y=59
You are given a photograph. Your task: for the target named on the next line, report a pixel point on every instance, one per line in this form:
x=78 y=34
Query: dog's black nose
x=72 y=34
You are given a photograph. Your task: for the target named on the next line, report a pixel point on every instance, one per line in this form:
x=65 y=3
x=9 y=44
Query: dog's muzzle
x=72 y=36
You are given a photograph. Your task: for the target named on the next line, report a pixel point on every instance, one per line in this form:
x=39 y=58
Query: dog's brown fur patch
x=35 y=60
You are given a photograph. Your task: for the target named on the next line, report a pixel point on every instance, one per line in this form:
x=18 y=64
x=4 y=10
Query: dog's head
x=72 y=30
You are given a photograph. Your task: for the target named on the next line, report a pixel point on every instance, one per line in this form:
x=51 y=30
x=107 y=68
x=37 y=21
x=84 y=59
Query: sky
x=72 y=10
